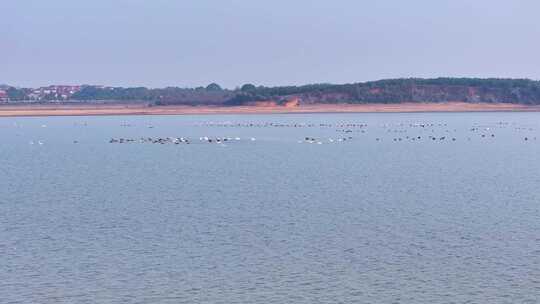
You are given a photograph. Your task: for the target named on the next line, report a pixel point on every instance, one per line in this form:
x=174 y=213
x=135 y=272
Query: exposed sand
x=138 y=109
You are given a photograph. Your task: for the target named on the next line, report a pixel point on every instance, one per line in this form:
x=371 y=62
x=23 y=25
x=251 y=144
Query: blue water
x=271 y=218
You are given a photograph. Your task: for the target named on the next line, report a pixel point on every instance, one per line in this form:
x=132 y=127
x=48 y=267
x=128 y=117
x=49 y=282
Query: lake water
x=450 y=217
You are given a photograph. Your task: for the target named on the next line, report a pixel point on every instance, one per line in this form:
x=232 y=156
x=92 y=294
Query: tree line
x=382 y=91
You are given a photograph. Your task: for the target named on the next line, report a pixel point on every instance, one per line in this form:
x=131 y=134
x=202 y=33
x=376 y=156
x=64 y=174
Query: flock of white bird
x=399 y=132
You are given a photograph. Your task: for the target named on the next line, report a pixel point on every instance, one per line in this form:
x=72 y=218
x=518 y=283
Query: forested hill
x=471 y=90
x=401 y=90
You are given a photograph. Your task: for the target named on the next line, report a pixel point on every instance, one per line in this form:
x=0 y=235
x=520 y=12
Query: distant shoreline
x=21 y=110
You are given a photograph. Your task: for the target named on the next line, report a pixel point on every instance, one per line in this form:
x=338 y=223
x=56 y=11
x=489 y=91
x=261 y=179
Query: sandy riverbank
x=138 y=109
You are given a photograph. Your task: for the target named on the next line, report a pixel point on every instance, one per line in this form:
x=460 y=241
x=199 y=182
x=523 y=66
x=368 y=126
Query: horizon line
x=272 y=86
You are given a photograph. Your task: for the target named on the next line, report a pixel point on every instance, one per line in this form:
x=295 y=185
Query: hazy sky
x=160 y=43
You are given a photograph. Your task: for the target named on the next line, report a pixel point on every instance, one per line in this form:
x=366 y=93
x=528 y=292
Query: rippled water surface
x=358 y=212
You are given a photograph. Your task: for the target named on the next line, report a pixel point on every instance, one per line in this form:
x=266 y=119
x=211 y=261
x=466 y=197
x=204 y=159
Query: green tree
x=248 y=87
x=15 y=94
x=213 y=87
